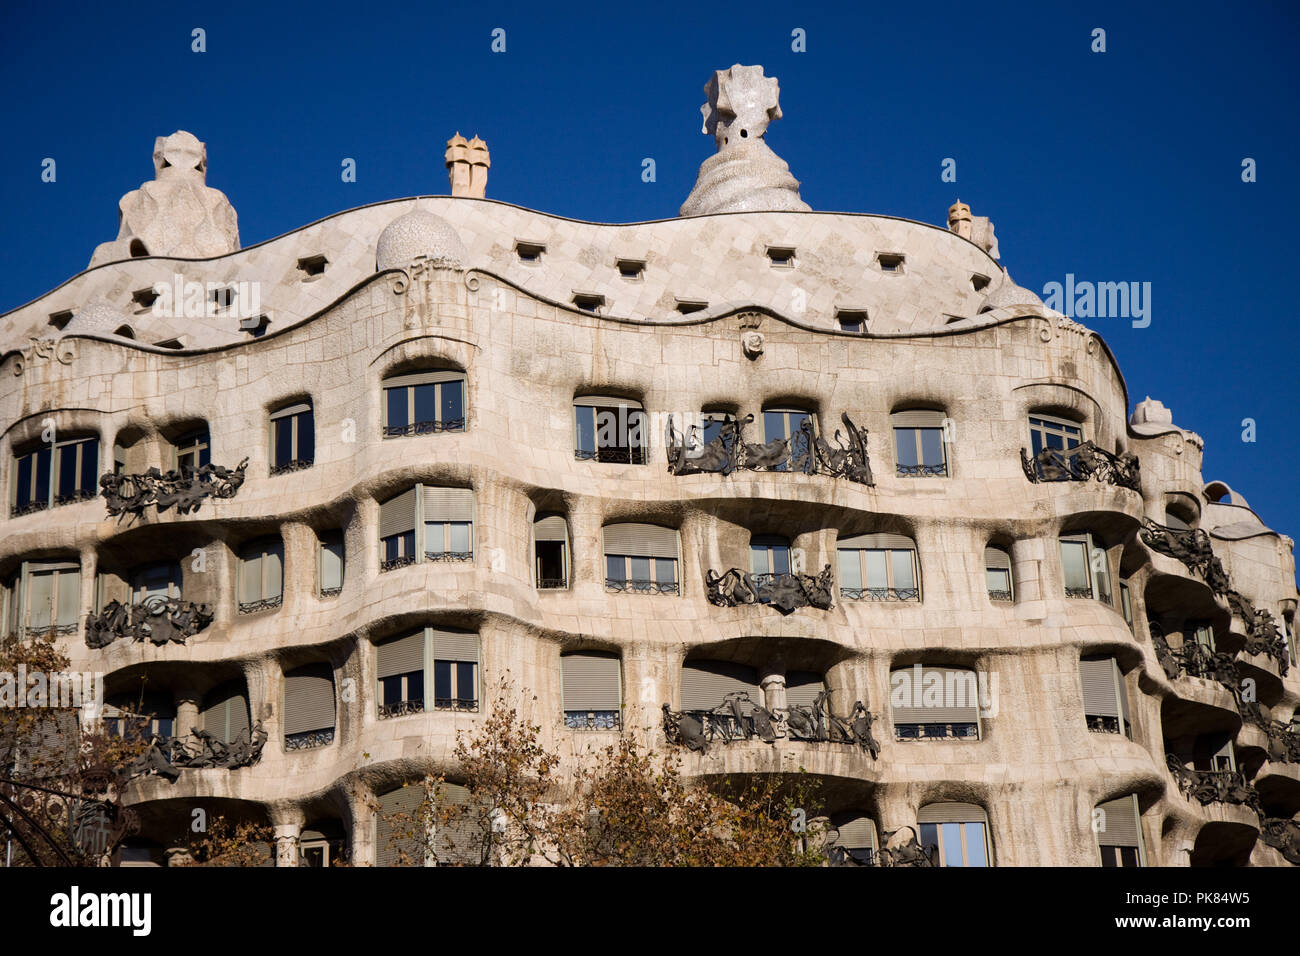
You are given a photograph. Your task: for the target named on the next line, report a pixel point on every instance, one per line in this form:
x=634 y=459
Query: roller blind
x=951 y=813
x=954 y=698
x=455 y=646
x=917 y=418
x=877 y=541
x=1100 y=696
x=552 y=528
x=397 y=515
x=39 y=598
x=802 y=688
x=291 y=410
x=68 y=599
x=1122 y=823
x=388 y=844
x=309 y=699
x=461 y=841
x=424 y=378
x=706 y=683
x=261 y=575
x=400 y=656
x=331 y=563
x=856 y=831
x=606 y=401
x=591 y=681
x=640 y=540
x=225 y=712
x=995 y=558
x=448 y=504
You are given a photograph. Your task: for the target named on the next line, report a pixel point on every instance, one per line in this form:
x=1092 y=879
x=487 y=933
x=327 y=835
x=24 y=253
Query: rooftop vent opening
x=782 y=257
x=589 y=301
x=223 y=296
x=952 y=319
x=851 y=320
x=890 y=262
x=978 y=282
x=687 y=306
x=144 y=299
x=60 y=319
x=137 y=249
x=170 y=344
x=312 y=267
x=630 y=268
x=530 y=252
x=125 y=331
x=255 y=325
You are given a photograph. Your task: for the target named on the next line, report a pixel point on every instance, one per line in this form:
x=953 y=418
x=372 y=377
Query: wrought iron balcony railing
x=614 y=454
x=1213 y=786
x=185 y=489
x=401 y=709
x=1102 y=724
x=802 y=452
x=641 y=586
x=298 y=464
x=1262 y=633
x=1085 y=462
x=593 y=719
x=424 y=428
x=158 y=619
x=1001 y=596
x=552 y=584
x=265 y=604
x=880 y=594
x=1282 y=835
x=1191 y=546
x=449 y=555
x=392 y=564
x=462 y=704
x=960 y=730
x=331 y=592
x=200 y=750
x=739 y=718
x=785 y=592
x=923 y=471
x=309 y=739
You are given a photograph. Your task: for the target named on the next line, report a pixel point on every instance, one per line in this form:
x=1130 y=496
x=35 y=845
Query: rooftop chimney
x=467 y=166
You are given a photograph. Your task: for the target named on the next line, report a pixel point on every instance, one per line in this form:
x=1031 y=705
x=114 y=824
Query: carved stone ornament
x=751 y=343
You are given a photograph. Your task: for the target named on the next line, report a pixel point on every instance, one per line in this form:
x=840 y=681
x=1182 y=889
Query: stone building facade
x=710 y=480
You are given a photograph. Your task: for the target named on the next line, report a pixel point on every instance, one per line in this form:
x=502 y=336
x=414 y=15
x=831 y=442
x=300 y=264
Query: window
x=44 y=597
x=152 y=584
x=446 y=658
x=799 y=426
x=1119 y=832
x=958 y=830
x=255 y=325
x=589 y=301
x=997 y=575
x=551 y=552
x=781 y=257
x=712 y=424
x=769 y=554
x=329 y=570
x=919 y=447
x=1126 y=603
x=890 y=262
x=322 y=844
x=802 y=688
x=1057 y=433
x=592 y=690
x=610 y=430
x=461 y=842
x=707 y=684
x=1288 y=624
x=293 y=438
x=855 y=838
x=144 y=299
x=1105 y=698
x=852 y=320
x=139 y=716
x=641 y=558
x=261 y=575
x=225 y=713
x=309 y=707
x=878 y=567
x=530 y=252
x=61 y=473
x=979 y=282
x=60 y=320
x=192 y=451
x=1202 y=633
x=934 y=703
x=426 y=523
x=687 y=306
x=1176 y=523
x=424 y=402
x=1086 y=567
x=312 y=267
x=630 y=268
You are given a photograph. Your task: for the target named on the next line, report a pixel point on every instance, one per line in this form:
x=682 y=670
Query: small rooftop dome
x=417 y=234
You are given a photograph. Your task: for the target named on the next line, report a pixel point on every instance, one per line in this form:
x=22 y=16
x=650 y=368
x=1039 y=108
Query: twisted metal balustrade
x=740 y=718
x=1085 y=462
x=185 y=489
x=783 y=591
x=803 y=452
x=157 y=619
x=423 y=428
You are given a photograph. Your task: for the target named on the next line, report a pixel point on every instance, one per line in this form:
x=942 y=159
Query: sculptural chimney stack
x=467 y=166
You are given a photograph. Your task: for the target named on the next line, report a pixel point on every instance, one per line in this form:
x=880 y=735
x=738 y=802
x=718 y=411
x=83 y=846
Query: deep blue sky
x=1120 y=166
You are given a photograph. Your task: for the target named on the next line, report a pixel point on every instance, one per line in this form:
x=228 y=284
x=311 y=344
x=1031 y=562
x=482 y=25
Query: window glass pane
x=932 y=446
x=780 y=559
x=306 y=435
x=442 y=681
x=1036 y=441
x=1073 y=437
x=415 y=685
x=929 y=834
x=586 y=418
x=902 y=566
x=952 y=844
x=67 y=464
x=712 y=427
x=43 y=461
x=426 y=403
x=877 y=572
x=453 y=401
x=758 y=563
x=774 y=424
x=466 y=685
x=397 y=411
x=1074 y=558
x=640 y=569
x=391 y=689
x=68 y=599
x=975 y=855
x=999 y=579
x=283 y=441
x=905 y=447
x=205 y=453
x=24 y=479
x=273 y=573
x=665 y=571
x=1055 y=440
x=89 y=465
x=615 y=567
x=1101 y=570
x=460 y=537
x=850 y=569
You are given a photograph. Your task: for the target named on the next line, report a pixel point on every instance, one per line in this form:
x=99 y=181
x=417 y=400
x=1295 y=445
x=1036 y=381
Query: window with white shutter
x=854 y=838
x=592 y=688
x=426 y=523
x=293 y=438
x=261 y=575
x=1105 y=699
x=609 y=429
x=225 y=713
x=934 y=703
x=1086 y=566
x=551 y=552
x=959 y=831
x=330 y=567
x=1118 y=825
x=997 y=575
x=421 y=403
x=443 y=659
x=919 y=447
x=309 y=707
x=641 y=558
x=878 y=567
x=48 y=598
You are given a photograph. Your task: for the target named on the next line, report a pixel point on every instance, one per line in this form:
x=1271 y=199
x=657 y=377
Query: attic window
x=137 y=249
x=782 y=257
x=144 y=299
x=256 y=325
x=630 y=268
x=223 y=296
x=686 y=306
x=851 y=320
x=530 y=252
x=312 y=267
x=890 y=262
x=125 y=331
x=589 y=301
x=60 y=319
x=170 y=344
x=978 y=282
x=953 y=319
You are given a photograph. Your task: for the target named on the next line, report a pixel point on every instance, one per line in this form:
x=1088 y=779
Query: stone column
x=288 y=823
x=771 y=677
x=187 y=711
